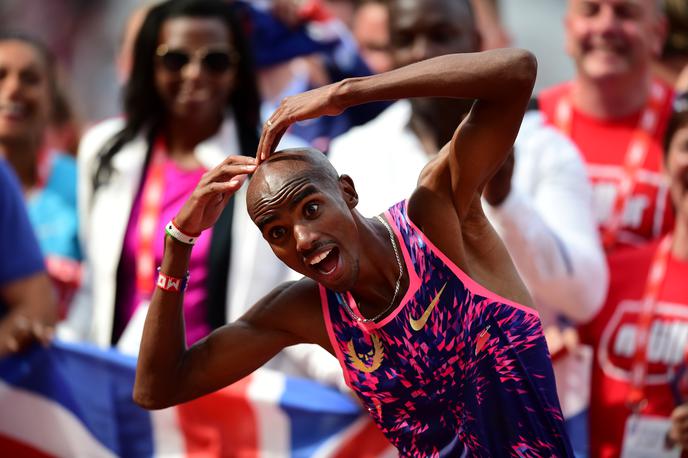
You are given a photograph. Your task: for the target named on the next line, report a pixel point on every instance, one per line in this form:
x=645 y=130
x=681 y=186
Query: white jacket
x=103 y=218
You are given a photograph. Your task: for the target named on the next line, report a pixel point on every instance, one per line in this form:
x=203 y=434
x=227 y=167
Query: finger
x=225 y=172
x=44 y=334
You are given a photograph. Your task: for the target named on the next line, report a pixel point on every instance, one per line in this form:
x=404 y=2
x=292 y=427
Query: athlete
x=421 y=305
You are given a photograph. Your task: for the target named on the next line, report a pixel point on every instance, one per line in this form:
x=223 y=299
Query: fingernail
x=233 y=182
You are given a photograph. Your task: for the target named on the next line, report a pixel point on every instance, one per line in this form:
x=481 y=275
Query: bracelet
x=172 y=284
x=174 y=232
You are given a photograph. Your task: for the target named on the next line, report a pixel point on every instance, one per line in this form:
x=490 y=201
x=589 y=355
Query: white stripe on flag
x=167 y=435
x=273 y=429
x=45 y=425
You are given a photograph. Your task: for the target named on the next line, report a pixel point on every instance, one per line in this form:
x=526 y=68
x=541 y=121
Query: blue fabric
x=20 y=255
x=53 y=212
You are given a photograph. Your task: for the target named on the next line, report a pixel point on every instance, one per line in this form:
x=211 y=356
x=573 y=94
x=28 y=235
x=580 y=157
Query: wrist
x=173 y=230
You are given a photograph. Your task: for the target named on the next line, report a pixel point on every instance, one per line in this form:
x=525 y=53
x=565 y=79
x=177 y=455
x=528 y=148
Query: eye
x=311 y=209
x=276 y=233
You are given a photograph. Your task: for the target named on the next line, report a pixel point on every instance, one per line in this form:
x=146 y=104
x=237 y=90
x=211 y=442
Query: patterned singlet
x=454 y=370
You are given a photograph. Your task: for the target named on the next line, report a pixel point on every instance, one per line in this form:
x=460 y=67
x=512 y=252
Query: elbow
x=524 y=68
x=147 y=399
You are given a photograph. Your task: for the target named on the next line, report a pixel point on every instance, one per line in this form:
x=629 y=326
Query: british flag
x=75 y=401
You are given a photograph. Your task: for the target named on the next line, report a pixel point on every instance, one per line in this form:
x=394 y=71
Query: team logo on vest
x=369 y=361
x=666 y=345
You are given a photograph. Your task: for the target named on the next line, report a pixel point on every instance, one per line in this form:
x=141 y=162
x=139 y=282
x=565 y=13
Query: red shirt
x=603 y=144
x=612 y=333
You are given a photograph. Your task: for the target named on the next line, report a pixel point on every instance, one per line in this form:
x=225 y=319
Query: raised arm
x=501 y=80
x=168 y=373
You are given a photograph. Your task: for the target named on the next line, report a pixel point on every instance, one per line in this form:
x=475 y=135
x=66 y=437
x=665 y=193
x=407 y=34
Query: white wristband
x=178 y=235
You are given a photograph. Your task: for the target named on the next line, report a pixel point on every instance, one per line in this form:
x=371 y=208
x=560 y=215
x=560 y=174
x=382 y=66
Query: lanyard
x=653 y=285
x=151 y=203
x=638 y=147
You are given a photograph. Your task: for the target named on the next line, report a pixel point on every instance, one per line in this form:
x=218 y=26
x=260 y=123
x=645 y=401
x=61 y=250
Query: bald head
x=286 y=170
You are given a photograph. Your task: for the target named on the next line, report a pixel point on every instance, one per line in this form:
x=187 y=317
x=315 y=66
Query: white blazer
x=254 y=270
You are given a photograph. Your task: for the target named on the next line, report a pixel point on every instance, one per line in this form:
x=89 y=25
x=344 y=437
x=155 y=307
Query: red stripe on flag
x=368 y=442
x=11 y=447
x=221 y=424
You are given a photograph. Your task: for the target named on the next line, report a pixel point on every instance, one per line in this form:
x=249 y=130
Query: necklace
x=361 y=319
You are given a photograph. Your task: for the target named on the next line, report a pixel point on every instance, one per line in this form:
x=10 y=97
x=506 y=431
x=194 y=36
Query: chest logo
x=419 y=324
x=366 y=362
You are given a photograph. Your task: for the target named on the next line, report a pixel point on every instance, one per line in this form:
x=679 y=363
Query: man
x=28 y=304
x=444 y=366
x=539 y=202
x=616 y=113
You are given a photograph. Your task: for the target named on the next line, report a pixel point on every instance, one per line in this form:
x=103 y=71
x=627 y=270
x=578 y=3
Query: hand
x=307 y=105
x=17 y=331
x=202 y=209
x=678 y=431
x=499 y=186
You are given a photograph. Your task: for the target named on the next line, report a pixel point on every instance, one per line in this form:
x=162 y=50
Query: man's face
x=421 y=29
x=307 y=221
x=613 y=38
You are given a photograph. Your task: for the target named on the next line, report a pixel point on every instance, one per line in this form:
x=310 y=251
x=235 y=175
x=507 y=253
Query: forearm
x=163 y=343
x=490 y=75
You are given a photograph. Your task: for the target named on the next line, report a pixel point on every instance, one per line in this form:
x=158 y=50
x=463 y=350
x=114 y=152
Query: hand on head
x=307 y=105
x=202 y=209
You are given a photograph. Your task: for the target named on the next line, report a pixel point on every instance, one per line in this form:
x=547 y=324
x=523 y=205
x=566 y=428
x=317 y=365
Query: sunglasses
x=215 y=61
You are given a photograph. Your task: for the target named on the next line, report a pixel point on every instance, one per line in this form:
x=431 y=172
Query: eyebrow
x=301 y=195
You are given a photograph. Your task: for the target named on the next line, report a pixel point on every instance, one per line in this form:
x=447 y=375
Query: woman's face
x=24 y=92
x=195 y=68
x=677 y=170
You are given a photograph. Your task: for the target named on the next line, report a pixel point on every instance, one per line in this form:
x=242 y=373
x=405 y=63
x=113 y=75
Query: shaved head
x=286 y=167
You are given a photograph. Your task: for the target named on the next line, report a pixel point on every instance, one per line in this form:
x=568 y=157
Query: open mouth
x=326 y=261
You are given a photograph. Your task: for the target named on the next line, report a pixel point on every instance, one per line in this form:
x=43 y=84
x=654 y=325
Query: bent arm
x=168 y=373
x=501 y=80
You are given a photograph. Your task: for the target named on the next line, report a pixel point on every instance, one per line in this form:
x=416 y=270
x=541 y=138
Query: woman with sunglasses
x=190 y=101
x=640 y=370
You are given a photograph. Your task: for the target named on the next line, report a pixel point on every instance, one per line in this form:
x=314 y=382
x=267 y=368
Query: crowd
x=590 y=202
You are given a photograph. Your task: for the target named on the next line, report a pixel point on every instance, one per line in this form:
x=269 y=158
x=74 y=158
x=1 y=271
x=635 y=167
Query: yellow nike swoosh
x=419 y=324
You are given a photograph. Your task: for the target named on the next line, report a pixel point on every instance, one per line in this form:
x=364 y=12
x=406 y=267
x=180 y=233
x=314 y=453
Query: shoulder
x=292 y=307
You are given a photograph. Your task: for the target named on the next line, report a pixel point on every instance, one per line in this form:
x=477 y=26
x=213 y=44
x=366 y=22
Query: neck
x=612 y=98
x=182 y=136
x=679 y=250
x=379 y=270
x=23 y=157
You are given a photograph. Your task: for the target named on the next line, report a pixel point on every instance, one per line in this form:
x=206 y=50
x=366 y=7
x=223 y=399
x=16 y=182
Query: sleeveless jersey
x=454 y=370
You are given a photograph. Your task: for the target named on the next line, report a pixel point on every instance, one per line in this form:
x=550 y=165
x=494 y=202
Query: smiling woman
x=28 y=99
x=190 y=101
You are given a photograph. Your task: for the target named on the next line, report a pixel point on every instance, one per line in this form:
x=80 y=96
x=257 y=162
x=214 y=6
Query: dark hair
x=143 y=107
x=678 y=120
x=56 y=96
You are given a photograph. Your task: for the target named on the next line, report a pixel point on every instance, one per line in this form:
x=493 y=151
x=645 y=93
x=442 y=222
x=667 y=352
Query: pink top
x=128 y=295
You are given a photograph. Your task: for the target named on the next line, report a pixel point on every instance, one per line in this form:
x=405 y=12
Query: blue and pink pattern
x=474 y=380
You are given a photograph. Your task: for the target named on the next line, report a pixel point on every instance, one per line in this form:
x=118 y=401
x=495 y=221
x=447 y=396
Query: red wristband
x=172 y=284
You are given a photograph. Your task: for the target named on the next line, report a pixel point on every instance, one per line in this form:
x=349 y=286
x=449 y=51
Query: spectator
x=371 y=32
x=30 y=100
x=674 y=56
x=190 y=101
x=540 y=205
x=616 y=113
x=298 y=49
x=28 y=308
x=641 y=334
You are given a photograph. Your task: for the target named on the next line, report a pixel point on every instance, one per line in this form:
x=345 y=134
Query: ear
x=349 y=194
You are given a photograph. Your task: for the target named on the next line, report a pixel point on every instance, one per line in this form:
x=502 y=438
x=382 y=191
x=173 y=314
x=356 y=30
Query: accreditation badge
x=645 y=437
